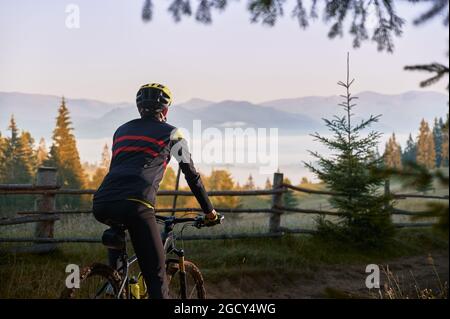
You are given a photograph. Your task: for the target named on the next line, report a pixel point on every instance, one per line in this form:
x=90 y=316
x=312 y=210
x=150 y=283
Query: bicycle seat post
x=168 y=228
x=114 y=239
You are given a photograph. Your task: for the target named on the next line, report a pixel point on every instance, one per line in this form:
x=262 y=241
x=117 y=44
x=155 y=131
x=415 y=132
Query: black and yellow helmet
x=153 y=98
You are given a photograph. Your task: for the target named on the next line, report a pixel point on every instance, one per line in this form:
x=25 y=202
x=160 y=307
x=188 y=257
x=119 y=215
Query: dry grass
x=396 y=288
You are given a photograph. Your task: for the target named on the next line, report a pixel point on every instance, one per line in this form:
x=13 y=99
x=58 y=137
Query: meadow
x=271 y=264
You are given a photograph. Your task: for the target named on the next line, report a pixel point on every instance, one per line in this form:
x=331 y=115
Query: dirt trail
x=337 y=281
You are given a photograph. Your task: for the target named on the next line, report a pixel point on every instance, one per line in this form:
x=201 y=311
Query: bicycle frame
x=168 y=239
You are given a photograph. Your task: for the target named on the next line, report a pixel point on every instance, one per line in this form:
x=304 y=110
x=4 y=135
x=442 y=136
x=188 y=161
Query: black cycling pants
x=141 y=224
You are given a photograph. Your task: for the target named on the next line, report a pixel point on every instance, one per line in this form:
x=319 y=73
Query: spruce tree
x=222 y=180
x=444 y=147
x=102 y=169
x=28 y=152
x=393 y=153
x=15 y=168
x=304 y=181
x=41 y=153
x=437 y=136
x=268 y=184
x=410 y=153
x=17 y=165
x=97 y=178
x=64 y=156
x=426 y=152
x=106 y=157
x=2 y=159
x=289 y=198
x=250 y=184
x=364 y=210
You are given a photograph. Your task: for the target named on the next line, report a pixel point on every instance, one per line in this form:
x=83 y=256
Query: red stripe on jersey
x=135 y=149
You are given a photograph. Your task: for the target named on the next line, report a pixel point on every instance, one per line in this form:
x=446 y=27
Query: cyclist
x=140 y=153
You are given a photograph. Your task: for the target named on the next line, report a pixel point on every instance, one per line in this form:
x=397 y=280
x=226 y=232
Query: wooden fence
x=45 y=213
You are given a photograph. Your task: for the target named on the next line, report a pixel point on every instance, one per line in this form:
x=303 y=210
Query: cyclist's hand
x=212 y=219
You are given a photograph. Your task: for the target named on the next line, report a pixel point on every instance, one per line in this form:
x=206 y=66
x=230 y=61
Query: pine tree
x=365 y=217
x=102 y=170
x=393 y=153
x=304 y=181
x=410 y=153
x=437 y=136
x=41 y=153
x=3 y=143
x=222 y=180
x=426 y=152
x=28 y=152
x=268 y=184
x=289 y=198
x=17 y=166
x=106 y=157
x=250 y=184
x=97 y=178
x=444 y=147
x=64 y=155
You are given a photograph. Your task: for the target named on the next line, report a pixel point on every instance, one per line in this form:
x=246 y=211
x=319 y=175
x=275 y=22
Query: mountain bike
x=99 y=281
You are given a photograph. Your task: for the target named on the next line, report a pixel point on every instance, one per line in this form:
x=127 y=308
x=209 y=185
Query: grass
x=42 y=276
x=395 y=288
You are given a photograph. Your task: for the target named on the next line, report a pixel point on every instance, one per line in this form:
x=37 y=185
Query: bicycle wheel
x=195 y=288
x=97 y=281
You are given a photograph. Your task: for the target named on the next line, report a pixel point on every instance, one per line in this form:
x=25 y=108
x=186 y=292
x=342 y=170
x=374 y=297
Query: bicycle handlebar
x=199 y=220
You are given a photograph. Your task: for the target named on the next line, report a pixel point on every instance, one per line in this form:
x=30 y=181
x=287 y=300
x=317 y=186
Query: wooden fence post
x=277 y=201
x=388 y=197
x=387 y=193
x=46 y=176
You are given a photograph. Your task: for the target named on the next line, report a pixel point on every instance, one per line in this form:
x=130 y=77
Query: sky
x=114 y=52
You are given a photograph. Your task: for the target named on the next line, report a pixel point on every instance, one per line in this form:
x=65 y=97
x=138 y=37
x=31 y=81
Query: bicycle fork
x=182 y=273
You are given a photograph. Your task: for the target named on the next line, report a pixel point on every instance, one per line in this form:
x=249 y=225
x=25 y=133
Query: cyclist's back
x=140 y=153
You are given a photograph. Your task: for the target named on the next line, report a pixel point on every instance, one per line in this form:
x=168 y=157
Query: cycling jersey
x=140 y=153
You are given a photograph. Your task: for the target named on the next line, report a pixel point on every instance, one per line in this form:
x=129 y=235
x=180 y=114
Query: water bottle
x=142 y=286
x=134 y=288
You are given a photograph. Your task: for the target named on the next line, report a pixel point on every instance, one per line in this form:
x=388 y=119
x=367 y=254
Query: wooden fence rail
x=192 y=237
x=45 y=214
x=404 y=196
x=393 y=195
x=158 y=210
x=28 y=219
x=34 y=190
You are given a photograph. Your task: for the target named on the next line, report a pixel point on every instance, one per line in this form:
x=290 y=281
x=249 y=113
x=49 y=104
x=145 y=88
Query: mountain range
x=401 y=113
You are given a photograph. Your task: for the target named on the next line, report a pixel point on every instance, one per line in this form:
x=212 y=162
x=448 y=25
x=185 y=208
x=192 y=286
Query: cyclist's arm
x=181 y=152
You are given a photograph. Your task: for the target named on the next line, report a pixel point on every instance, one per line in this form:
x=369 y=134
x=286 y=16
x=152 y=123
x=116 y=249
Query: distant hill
x=400 y=113
x=95 y=119
x=220 y=115
x=37 y=112
x=195 y=104
x=245 y=114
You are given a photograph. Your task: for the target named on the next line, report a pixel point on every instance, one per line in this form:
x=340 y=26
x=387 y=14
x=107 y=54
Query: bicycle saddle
x=114 y=237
